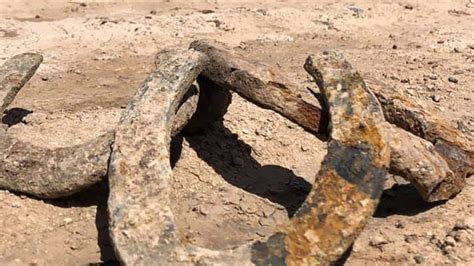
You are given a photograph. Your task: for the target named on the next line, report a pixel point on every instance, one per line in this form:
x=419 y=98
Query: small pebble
x=436 y=98
x=453 y=79
x=419 y=259
x=207 y=11
x=378 y=241
x=411 y=238
x=450 y=241
x=431 y=76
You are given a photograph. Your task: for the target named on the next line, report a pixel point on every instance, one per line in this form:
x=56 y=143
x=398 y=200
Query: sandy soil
x=251 y=172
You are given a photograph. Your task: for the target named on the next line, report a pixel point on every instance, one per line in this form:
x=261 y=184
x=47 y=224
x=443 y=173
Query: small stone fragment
x=465 y=224
x=378 y=241
x=452 y=79
x=436 y=98
x=450 y=241
x=419 y=259
x=411 y=238
x=357 y=12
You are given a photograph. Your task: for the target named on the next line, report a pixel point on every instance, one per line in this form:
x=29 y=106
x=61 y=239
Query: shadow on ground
x=231 y=158
x=15 y=116
x=402 y=200
x=96 y=195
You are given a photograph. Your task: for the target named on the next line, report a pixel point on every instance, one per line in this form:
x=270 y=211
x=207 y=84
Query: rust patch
x=308 y=235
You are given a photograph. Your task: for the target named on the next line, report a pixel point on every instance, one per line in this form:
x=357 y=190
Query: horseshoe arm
x=54 y=173
x=14 y=74
x=348 y=186
x=140 y=163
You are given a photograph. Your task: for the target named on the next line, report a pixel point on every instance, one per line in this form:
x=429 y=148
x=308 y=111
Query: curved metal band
x=43 y=172
x=54 y=173
x=344 y=195
x=431 y=170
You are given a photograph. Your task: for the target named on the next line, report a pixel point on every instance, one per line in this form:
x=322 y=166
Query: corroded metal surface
x=141 y=224
x=417 y=160
x=413 y=158
x=54 y=173
x=345 y=192
x=449 y=142
x=438 y=172
x=344 y=195
x=45 y=173
x=14 y=74
x=260 y=84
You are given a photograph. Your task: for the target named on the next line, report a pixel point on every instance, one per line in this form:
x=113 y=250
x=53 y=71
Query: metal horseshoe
x=345 y=192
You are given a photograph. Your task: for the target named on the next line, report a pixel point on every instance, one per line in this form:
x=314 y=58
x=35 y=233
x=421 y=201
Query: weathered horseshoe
x=40 y=171
x=344 y=195
x=14 y=74
x=436 y=174
x=437 y=171
x=54 y=173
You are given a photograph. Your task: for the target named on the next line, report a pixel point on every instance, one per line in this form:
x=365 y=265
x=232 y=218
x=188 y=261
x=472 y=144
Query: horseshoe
x=345 y=192
x=436 y=170
x=41 y=171
x=54 y=173
x=14 y=74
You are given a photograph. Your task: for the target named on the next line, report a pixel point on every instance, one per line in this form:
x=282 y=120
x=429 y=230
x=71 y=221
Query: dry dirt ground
x=252 y=171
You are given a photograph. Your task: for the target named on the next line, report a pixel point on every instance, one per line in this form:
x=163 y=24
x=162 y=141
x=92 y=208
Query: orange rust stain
x=312 y=117
x=366 y=129
x=309 y=239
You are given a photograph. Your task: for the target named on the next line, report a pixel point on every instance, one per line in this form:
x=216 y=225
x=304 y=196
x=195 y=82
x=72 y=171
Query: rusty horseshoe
x=344 y=194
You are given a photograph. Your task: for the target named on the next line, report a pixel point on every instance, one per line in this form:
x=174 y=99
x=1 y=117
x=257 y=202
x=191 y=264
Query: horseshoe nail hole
x=223 y=195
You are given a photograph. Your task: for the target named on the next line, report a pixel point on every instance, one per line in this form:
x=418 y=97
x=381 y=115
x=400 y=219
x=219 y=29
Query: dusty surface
x=247 y=174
